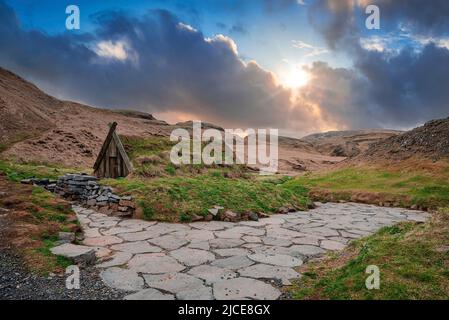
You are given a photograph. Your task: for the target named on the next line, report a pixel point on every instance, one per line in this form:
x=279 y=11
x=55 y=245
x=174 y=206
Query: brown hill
x=430 y=141
x=347 y=143
x=37 y=127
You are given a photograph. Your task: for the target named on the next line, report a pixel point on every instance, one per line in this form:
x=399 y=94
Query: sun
x=295 y=77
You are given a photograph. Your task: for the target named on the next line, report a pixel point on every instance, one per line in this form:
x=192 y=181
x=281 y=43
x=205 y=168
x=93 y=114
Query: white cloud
x=313 y=51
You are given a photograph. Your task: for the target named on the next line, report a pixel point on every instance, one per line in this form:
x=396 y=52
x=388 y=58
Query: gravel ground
x=16 y=283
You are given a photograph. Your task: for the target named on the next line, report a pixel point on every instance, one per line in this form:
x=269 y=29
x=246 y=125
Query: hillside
x=347 y=143
x=37 y=127
x=430 y=141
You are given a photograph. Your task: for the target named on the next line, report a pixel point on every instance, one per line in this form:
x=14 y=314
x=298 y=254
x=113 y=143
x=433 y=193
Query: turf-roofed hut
x=112 y=161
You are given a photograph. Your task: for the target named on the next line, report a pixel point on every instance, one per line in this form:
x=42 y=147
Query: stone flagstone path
x=224 y=260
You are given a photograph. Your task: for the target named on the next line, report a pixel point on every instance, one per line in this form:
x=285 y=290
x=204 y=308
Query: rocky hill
x=429 y=141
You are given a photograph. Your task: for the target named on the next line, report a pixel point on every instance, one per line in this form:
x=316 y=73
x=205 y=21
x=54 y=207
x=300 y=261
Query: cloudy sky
x=298 y=65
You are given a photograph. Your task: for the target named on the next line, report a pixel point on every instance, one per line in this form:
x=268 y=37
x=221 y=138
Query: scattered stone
x=66 y=237
x=253 y=216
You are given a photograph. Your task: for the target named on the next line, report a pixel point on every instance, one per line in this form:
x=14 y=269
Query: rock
x=332 y=245
x=149 y=294
x=154 y=263
x=102 y=241
x=122 y=279
x=283 y=210
x=174 y=282
x=244 y=288
x=253 y=216
x=213 y=211
x=212 y=274
x=4 y=211
x=2 y=194
x=262 y=215
x=225 y=243
x=79 y=254
x=168 y=242
x=201 y=293
x=233 y=263
x=192 y=257
x=66 y=237
x=232 y=216
x=26 y=181
x=276 y=259
x=265 y=271
x=127 y=203
x=136 y=247
x=209 y=217
x=118 y=259
x=195 y=217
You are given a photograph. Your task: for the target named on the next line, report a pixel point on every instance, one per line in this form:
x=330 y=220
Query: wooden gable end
x=112 y=161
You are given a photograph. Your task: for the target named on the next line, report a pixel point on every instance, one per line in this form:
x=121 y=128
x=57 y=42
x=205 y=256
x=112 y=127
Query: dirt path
x=223 y=260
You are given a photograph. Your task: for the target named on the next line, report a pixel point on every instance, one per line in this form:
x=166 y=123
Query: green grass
x=19 y=171
x=174 y=198
x=428 y=189
x=409 y=256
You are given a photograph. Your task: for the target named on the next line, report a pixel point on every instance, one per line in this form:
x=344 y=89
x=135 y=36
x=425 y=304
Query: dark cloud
x=151 y=63
x=389 y=89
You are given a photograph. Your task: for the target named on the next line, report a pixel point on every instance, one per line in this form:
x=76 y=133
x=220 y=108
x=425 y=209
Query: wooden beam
x=106 y=143
x=122 y=152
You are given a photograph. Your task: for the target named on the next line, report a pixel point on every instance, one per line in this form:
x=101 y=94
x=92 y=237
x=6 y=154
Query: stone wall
x=86 y=190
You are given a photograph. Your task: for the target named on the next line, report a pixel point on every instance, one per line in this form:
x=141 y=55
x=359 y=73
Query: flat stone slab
x=154 y=263
x=265 y=271
x=168 y=242
x=122 y=279
x=244 y=288
x=136 y=247
x=277 y=259
x=149 y=294
x=225 y=243
x=306 y=250
x=79 y=254
x=235 y=262
x=173 y=282
x=212 y=274
x=223 y=260
x=118 y=259
x=102 y=241
x=192 y=257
